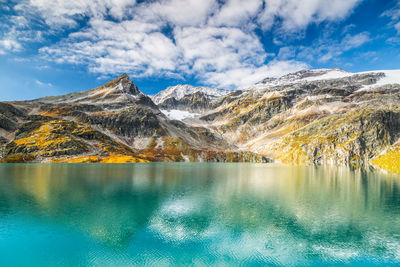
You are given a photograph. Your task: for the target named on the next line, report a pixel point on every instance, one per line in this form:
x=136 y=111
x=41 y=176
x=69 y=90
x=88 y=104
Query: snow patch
x=269 y=95
x=334 y=74
x=391 y=77
x=141 y=143
x=175 y=114
x=179 y=91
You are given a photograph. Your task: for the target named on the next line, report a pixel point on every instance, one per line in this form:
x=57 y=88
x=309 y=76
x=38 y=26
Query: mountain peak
x=117 y=90
x=338 y=69
x=124 y=84
x=181 y=90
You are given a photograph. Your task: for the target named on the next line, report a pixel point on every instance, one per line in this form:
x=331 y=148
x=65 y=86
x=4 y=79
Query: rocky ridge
x=179 y=91
x=326 y=116
x=112 y=123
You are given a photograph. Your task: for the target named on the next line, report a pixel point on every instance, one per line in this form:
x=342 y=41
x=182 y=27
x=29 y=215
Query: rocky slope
x=319 y=116
x=111 y=123
x=326 y=116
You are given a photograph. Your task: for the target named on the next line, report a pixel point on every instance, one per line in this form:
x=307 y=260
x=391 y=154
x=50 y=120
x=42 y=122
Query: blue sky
x=52 y=47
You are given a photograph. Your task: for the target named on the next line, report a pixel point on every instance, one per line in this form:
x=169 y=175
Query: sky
x=52 y=47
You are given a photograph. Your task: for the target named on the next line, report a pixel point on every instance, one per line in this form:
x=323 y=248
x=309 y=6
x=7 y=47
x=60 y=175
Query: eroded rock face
x=352 y=138
x=9 y=116
x=130 y=122
x=197 y=102
x=3 y=142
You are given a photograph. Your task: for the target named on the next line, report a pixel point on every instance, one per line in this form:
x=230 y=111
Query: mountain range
x=323 y=116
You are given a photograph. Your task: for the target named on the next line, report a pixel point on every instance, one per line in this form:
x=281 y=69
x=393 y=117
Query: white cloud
x=236 y=12
x=61 y=13
x=354 y=41
x=294 y=14
x=178 y=12
x=14 y=31
x=242 y=77
x=394 y=15
x=40 y=83
x=287 y=52
x=393 y=40
x=218 y=49
x=214 y=41
x=9 y=45
x=324 y=50
x=141 y=50
x=397 y=27
x=110 y=47
x=227 y=57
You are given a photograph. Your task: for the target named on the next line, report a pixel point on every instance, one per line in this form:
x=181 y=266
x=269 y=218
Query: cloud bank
x=215 y=42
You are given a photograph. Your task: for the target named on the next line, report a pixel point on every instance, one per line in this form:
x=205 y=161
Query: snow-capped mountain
x=306 y=76
x=322 y=116
x=180 y=91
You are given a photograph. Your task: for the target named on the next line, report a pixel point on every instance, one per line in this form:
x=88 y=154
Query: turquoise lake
x=197 y=214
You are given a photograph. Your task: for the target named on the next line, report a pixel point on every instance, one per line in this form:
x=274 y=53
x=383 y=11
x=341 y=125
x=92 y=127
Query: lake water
x=161 y=214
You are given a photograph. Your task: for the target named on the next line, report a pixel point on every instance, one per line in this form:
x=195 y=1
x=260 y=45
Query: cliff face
x=309 y=117
x=351 y=138
x=196 y=102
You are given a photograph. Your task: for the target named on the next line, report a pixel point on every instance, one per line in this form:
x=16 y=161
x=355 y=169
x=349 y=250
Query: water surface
x=196 y=214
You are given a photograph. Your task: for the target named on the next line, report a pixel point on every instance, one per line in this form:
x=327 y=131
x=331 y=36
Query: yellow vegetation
x=328 y=137
x=85 y=159
x=122 y=159
x=389 y=161
x=57 y=136
x=44 y=138
x=295 y=154
x=107 y=159
x=18 y=158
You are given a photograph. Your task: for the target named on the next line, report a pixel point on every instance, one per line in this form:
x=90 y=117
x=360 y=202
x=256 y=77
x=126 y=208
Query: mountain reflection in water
x=200 y=213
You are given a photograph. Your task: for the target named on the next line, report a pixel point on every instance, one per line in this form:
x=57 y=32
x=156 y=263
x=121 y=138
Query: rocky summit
x=325 y=116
